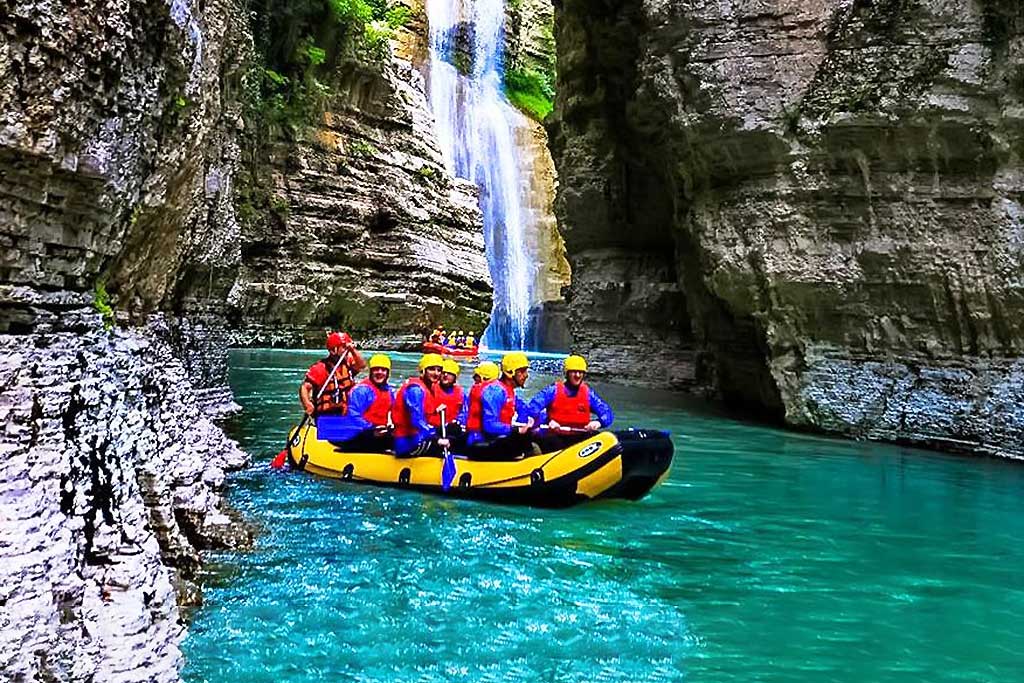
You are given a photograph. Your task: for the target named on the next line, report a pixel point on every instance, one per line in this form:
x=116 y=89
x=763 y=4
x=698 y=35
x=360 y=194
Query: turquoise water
x=766 y=556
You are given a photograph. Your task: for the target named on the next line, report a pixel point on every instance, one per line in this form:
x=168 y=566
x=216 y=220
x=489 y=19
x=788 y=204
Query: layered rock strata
x=544 y=243
x=117 y=153
x=813 y=209
x=109 y=488
x=368 y=232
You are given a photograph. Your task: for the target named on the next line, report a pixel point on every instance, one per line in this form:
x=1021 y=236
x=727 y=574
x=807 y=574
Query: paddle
x=568 y=430
x=278 y=461
x=448 y=469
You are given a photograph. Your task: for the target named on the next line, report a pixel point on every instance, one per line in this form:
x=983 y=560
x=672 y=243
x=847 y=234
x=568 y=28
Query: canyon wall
x=812 y=209
x=117 y=150
x=367 y=231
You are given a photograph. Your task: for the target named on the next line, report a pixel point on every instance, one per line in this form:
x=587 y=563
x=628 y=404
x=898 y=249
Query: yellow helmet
x=487 y=371
x=575 y=363
x=430 y=360
x=460 y=333
x=450 y=366
x=379 y=360
x=514 y=361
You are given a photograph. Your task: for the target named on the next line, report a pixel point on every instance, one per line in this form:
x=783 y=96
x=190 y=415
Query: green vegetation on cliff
x=302 y=49
x=531 y=91
x=300 y=43
x=101 y=302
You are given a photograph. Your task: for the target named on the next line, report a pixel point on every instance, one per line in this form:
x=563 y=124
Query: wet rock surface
x=811 y=209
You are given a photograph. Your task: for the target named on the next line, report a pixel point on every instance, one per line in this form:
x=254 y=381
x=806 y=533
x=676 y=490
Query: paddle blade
x=278 y=461
x=448 y=471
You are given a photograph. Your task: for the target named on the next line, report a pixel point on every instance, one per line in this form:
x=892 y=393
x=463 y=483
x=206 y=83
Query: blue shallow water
x=766 y=556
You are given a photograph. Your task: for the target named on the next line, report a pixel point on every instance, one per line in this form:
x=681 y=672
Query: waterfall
x=475 y=128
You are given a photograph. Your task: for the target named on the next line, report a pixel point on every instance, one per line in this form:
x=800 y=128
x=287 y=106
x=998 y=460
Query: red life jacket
x=475 y=420
x=452 y=405
x=399 y=413
x=570 y=411
x=377 y=413
x=334 y=397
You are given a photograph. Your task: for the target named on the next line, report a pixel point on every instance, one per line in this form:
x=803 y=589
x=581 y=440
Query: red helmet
x=338 y=339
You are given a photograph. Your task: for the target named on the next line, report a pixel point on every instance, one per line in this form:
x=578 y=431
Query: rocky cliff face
x=812 y=208
x=530 y=49
x=121 y=152
x=368 y=232
x=544 y=243
x=116 y=159
x=111 y=478
x=117 y=151
x=530 y=39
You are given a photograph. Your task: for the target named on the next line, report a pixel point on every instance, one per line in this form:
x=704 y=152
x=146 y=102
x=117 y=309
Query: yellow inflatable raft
x=624 y=464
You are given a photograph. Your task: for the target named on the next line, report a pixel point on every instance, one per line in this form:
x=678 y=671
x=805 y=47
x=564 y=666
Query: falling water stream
x=475 y=125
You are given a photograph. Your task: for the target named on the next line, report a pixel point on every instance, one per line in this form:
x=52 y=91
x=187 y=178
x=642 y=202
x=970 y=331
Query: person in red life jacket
x=437 y=334
x=485 y=372
x=453 y=398
x=566 y=408
x=499 y=422
x=414 y=403
x=324 y=393
x=367 y=426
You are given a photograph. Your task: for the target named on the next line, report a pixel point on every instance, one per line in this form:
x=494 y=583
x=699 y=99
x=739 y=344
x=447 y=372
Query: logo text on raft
x=590 y=450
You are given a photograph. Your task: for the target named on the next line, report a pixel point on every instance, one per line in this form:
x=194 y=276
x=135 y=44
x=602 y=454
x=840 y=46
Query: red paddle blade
x=278 y=461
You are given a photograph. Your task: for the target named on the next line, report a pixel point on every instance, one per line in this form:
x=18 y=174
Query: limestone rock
x=372 y=235
x=117 y=152
x=810 y=208
x=529 y=31
x=104 y=449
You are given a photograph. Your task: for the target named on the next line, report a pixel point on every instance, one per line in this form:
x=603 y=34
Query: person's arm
x=311 y=383
x=493 y=400
x=604 y=412
x=539 y=404
x=414 y=404
x=359 y=401
x=355 y=362
x=523 y=412
x=306 y=397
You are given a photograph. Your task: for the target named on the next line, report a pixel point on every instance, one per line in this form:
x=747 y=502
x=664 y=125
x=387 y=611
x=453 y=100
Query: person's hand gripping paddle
x=448 y=469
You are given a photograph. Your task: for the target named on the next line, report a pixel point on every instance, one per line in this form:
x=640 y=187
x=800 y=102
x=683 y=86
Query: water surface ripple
x=767 y=556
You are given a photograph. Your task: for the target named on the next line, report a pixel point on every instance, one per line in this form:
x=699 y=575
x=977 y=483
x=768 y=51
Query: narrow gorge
x=175 y=179
x=810 y=211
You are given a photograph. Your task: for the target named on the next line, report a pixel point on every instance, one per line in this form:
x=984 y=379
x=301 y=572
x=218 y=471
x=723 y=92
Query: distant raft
x=454 y=352
x=623 y=464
